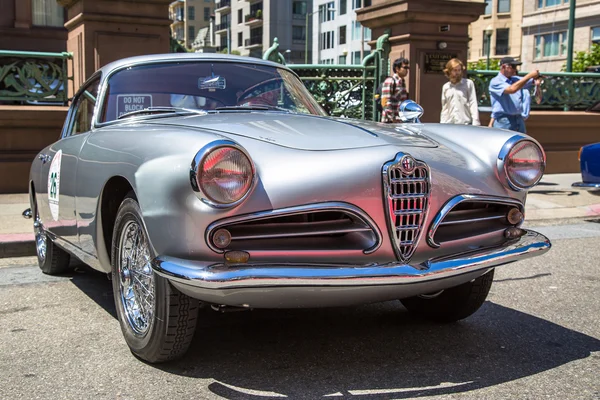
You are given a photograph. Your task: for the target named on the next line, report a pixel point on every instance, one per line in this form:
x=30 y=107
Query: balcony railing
x=222 y=26
x=222 y=4
x=34 y=78
x=253 y=41
x=254 y=17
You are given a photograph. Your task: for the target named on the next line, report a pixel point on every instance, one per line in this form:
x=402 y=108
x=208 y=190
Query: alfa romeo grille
x=406 y=183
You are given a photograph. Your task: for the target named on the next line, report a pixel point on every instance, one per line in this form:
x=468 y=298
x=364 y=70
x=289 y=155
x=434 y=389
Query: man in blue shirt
x=507 y=95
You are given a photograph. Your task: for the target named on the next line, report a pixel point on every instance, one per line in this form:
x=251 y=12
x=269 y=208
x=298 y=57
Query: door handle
x=44 y=158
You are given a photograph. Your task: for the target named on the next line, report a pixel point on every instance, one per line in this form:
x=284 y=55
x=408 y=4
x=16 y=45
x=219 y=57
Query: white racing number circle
x=54 y=185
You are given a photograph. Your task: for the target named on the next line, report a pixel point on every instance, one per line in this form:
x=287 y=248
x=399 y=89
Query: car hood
x=305 y=132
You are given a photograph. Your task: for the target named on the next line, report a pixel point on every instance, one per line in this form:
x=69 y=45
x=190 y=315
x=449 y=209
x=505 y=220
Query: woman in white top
x=459 y=101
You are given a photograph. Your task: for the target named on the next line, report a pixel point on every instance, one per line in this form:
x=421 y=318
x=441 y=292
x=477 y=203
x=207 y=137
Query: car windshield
x=205 y=85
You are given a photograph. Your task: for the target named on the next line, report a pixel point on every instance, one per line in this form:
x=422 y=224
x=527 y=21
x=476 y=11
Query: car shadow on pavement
x=372 y=352
x=95 y=285
x=555 y=192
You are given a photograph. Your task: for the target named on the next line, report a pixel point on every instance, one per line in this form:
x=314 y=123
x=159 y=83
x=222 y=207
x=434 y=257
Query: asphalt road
x=537 y=336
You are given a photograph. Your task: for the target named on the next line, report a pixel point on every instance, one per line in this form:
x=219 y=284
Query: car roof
x=184 y=57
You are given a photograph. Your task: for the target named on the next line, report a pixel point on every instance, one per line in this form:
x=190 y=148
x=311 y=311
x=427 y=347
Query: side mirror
x=410 y=111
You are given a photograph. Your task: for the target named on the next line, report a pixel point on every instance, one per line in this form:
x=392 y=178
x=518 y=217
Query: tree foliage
x=481 y=65
x=234 y=52
x=584 y=59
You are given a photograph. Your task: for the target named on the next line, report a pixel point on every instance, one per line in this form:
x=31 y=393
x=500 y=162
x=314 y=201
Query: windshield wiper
x=252 y=108
x=162 y=110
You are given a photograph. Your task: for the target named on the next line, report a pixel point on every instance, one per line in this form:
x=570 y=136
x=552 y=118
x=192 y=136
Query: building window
x=342 y=34
x=326 y=40
x=551 y=3
x=207 y=13
x=240 y=16
x=299 y=7
x=503 y=6
x=356 y=57
x=326 y=12
x=596 y=35
x=367 y=33
x=551 y=45
x=343 y=7
x=240 y=39
x=47 y=13
x=298 y=34
x=502 y=42
x=488 y=7
x=366 y=3
x=191 y=33
x=342 y=60
x=191 y=13
x=356 y=27
x=355 y=4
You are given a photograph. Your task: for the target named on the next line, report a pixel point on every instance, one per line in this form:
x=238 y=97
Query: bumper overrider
x=290 y=285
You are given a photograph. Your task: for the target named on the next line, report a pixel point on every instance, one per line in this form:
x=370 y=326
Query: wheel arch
x=114 y=192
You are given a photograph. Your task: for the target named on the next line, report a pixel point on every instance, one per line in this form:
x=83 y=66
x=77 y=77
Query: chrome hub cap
x=136 y=279
x=40 y=240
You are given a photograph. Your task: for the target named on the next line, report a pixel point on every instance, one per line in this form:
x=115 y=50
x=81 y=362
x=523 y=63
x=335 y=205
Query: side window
x=83 y=107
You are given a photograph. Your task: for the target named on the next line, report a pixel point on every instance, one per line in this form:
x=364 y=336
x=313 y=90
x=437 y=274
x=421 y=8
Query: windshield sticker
x=54 y=184
x=212 y=83
x=127 y=103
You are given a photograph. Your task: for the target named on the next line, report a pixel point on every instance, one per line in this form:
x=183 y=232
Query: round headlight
x=225 y=175
x=524 y=164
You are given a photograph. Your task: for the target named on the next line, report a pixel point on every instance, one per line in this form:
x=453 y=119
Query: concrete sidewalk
x=552 y=199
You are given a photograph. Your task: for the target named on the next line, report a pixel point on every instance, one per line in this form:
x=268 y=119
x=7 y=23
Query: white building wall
x=351 y=46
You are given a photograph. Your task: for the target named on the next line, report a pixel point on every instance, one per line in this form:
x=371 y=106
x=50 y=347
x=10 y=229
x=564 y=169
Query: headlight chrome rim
x=502 y=164
x=198 y=162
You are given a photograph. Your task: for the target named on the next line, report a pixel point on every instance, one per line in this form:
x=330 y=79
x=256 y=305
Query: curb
x=17 y=245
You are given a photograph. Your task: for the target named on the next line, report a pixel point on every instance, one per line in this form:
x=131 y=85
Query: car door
x=60 y=165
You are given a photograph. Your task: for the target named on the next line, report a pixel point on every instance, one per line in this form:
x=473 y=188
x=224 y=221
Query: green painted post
x=570 y=34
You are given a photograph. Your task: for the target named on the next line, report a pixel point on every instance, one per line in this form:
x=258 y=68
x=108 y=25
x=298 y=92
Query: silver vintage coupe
x=219 y=179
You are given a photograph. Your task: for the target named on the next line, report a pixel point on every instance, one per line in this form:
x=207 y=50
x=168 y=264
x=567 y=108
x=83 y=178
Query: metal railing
x=560 y=90
x=343 y=90
x=34 y=78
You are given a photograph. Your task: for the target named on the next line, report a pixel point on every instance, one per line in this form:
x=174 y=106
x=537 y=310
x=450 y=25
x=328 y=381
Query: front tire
x=452 y=304
x=157 y=321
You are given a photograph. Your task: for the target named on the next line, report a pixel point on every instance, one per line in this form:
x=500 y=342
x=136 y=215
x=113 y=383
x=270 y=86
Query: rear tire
x=452 y=304
x=52 y=259
x=157 y=321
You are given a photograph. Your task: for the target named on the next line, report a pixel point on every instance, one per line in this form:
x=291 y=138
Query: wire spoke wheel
x=136 y=279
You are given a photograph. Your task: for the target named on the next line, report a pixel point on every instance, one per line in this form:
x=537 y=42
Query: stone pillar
x=102 y=31
x=428 y=33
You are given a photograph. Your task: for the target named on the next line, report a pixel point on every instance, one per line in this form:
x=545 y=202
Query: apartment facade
x=250 y=26
x=497 y=32
x=337 y=37
x=189 y=18
x=545 y=32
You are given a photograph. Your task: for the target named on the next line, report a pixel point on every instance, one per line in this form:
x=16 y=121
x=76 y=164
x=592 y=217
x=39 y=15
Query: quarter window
x=83 y=107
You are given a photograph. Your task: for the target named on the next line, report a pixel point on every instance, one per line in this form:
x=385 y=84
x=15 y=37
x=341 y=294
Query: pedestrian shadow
x=372 y=352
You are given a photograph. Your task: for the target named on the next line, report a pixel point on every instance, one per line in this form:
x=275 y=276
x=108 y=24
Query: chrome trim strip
x=466 y=221
x=282 y=212
x=205 y=151
x=450 y=204
x=586 y=186
x=501 y=162
x=219 y=276
x=301 y=234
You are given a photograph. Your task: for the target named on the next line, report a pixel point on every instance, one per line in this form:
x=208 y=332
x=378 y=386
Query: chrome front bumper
x=586 y=186
x=289 y=285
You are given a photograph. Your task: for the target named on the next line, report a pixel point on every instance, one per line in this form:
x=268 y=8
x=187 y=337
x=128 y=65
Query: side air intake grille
x=406 y=186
